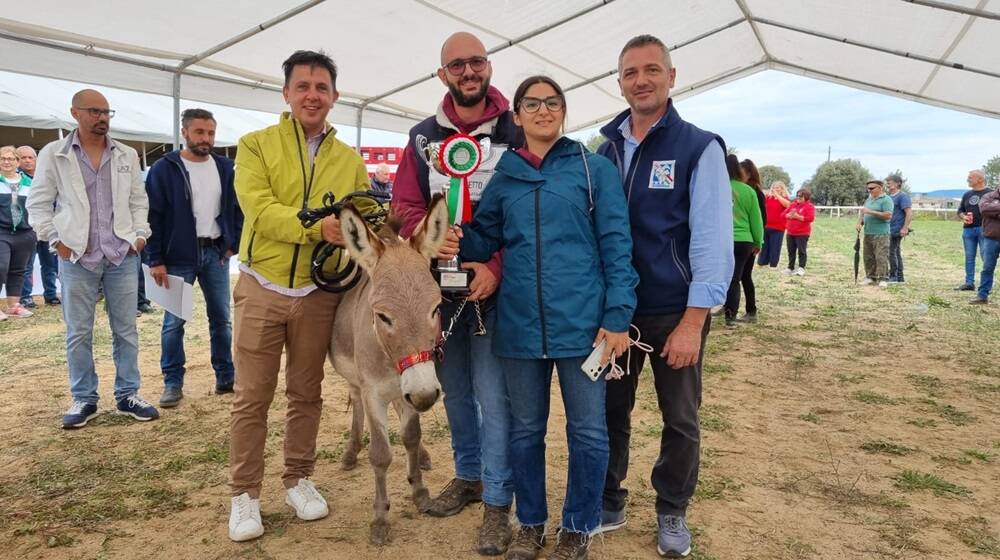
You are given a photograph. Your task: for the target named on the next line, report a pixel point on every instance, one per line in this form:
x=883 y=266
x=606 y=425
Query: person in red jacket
x=774 y=228
x=799 y=217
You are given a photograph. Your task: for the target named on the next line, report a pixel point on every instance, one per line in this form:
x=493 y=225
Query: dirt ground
x=851 y=422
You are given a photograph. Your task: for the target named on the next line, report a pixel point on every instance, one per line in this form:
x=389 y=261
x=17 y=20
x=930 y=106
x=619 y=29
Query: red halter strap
x=414 y=359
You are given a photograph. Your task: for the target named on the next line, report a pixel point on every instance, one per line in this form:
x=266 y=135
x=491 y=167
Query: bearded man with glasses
x=89 y=203
x=475 y=390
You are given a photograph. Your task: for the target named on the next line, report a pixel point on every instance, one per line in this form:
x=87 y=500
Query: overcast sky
x=787 y=120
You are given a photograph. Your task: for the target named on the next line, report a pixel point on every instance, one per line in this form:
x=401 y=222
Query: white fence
x=839 y=211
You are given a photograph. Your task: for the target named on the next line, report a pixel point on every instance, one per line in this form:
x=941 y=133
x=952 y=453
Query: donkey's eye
x=384 y=318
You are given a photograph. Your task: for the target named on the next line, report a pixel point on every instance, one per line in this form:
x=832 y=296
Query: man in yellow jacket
x=279 y=171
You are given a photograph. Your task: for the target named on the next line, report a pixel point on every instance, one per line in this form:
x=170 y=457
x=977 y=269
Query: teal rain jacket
x=567 y=264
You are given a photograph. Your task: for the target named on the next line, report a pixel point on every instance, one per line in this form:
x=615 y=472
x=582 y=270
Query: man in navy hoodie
x=475 y=391
x=196 y=225
x=680 y=208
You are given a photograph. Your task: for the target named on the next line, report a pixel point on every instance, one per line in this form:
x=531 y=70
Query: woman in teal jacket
x=559 y=213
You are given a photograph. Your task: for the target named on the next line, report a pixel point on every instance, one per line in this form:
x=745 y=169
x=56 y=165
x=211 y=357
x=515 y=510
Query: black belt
x=207 y=241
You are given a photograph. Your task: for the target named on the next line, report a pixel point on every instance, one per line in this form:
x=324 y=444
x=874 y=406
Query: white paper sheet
x=177 y=298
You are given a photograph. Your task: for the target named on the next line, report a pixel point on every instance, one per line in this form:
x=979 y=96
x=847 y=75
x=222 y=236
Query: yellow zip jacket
x=274 y=181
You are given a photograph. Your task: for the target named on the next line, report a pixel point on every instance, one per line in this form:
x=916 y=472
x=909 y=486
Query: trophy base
x=454 y=282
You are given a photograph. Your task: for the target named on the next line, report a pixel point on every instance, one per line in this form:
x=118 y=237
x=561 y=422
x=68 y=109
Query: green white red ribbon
x=459 y=157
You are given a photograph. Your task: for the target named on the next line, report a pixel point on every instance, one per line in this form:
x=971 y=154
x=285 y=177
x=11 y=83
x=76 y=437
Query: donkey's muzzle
x=419 y=385
x=422 y=401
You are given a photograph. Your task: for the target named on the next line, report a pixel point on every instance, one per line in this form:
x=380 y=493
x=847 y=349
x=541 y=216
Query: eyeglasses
x=97 y=113
x=8 y=159
x=457 y=67
x=532 y=104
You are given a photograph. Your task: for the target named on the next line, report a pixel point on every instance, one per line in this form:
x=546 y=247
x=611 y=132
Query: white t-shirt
x=206 y=196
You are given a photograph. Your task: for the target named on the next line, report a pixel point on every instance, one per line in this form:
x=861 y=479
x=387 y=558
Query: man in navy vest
x=474 y=387
x=680 y=207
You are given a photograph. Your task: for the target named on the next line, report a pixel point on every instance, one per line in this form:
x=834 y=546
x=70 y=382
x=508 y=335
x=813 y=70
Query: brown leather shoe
x=528 y=543
x=455 y=496
x=571 y=545
x=495 y=533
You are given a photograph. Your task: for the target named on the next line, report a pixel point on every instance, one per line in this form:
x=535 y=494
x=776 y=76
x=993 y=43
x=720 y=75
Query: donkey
x=382 y=344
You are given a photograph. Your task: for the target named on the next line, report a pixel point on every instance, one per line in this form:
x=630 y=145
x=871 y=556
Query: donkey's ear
x=364 y=246
x=431 y=232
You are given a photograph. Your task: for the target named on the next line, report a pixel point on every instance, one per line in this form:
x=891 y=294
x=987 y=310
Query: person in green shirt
x=748 y=233
x=874 y=217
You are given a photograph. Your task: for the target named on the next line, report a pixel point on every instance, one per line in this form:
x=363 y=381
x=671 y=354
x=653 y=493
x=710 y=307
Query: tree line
x=838 y=182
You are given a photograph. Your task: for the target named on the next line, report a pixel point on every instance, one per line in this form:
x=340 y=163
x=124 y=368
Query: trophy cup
x=457 y=157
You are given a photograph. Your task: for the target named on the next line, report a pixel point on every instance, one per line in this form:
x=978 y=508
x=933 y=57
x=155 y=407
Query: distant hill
x=945 y=193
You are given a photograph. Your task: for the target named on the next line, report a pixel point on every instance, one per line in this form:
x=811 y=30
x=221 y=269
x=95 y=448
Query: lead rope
x=616 y=371
x=446 y=334
x=480 y=326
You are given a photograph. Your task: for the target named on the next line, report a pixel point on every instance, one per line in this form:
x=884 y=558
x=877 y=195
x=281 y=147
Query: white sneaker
x=3 y=316
x=801 y=271
x=867 y=282
x=244 y=518
x=883 y=284
x=309 y=505
x=789 y=272
x=18 y=311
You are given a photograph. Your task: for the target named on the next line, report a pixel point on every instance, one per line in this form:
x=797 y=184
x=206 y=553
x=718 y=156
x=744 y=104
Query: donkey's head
x=404 y=297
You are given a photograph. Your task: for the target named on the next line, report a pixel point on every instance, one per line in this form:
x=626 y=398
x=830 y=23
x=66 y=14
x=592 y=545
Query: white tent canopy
x=43 y=103
x=941 y=52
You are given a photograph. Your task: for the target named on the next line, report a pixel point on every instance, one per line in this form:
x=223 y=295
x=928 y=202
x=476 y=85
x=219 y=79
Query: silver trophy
x=448 y=272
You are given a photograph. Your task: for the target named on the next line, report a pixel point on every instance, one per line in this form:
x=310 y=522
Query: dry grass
x=850 y=423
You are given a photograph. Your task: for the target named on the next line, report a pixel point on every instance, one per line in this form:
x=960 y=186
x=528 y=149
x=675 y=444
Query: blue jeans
x=475 y=400
x=142 y=299
x=896 y=258
x=79 y=298
x=771 y=253
x=528 y=382
x=213 y=277
x=991 y=249
x=49 y=264
x=972 y=238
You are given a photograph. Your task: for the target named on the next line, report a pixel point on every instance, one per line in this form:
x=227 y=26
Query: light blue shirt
x=631 y=144
x=710 y=219
x=711 y=223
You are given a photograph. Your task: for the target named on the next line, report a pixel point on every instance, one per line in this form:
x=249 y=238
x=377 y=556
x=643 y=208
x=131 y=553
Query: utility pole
x=828 y=149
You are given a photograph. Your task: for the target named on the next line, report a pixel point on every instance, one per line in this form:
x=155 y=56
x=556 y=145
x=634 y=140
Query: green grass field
x=850 y=422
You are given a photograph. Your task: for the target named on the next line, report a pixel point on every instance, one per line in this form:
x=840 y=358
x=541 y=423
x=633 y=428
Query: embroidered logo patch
x=662 y=175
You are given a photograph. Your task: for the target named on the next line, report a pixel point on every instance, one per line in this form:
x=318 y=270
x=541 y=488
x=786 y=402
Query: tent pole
x=671 y=48
x=361 y=113
x=177 y=110
x=502 y=46
x=144 y=164
x=248 y=33
x=876 y=48
x=974 y=12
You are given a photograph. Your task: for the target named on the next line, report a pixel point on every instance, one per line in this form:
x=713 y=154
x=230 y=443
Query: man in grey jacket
x=98 y=228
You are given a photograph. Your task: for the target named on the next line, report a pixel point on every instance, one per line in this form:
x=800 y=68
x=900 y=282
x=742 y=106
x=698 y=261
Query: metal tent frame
x=219 y=73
